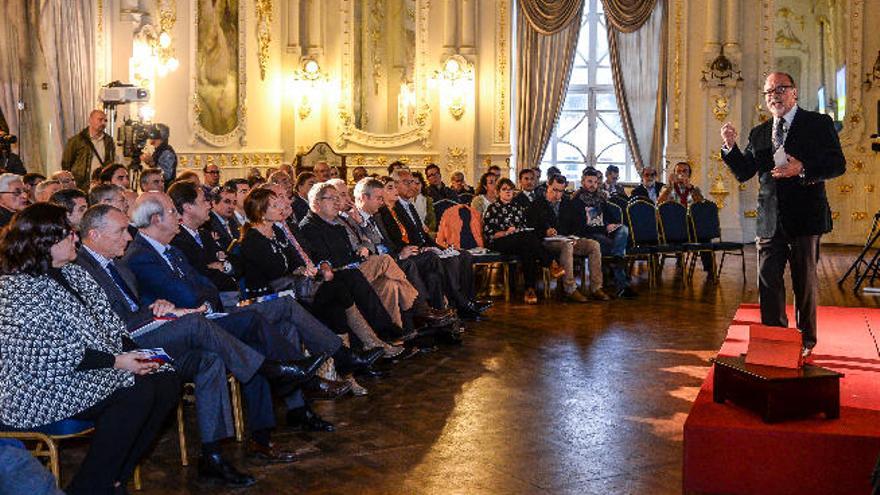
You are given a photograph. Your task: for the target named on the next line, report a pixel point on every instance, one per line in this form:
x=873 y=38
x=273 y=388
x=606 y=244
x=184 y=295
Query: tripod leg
x=861 y=258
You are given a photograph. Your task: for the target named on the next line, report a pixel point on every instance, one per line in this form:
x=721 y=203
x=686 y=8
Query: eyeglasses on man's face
x=15 y=192
x=778 y=90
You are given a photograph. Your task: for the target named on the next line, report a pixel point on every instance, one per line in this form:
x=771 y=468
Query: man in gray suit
x=202 y=351
x=793 y=154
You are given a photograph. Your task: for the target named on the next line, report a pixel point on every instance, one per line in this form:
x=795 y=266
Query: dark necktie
x=778 y=134
x=417 y=223
x=198 y=239
x=120 y=283
x=172 y=260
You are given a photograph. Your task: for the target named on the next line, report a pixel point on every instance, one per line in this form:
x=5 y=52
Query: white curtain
x=67 y=31
x=13 y=74
x=638 y=62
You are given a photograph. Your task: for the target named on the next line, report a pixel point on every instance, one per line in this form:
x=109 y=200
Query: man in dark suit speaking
x=793 y=154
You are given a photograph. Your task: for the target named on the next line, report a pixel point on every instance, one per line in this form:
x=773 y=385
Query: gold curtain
x=547 y=34
x=550 y=16
x=638 y=67
x=628 y=15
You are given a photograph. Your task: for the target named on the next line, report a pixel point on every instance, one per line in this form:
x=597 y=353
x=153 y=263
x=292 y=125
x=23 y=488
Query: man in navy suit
x=170 y=276
x=202 y=351
x=793 y=154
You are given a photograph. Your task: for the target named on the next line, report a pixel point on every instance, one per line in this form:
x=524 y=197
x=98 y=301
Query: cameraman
x=163 y=156
x=90 y=150
x=9 y=161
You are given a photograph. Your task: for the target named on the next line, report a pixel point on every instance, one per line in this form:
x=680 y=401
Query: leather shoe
x=321 y=389
x=306 y=419
x=269 y=453
x=806 y=352
x=576 y=297
x=599 y=295
x=626 y=293
x=292 y=372
x=360 y=360
x=482 y=305
x=215 y=469
x=431 y=317
x=469 y=313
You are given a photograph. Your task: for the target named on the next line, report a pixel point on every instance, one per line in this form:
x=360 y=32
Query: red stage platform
x=729 y=450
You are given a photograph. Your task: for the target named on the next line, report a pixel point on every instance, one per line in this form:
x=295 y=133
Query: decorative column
x=450 y=26
x=468 y=27
x=293 y=35
x=315 y=34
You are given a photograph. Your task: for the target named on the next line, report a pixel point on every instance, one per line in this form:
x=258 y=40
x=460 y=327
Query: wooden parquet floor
x=555 y=398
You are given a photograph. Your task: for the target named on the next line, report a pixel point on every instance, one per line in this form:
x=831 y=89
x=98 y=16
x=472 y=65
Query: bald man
x=89 y=150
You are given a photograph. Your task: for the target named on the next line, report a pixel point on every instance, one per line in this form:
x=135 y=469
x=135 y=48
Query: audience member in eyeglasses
x=649 y=188
x=13 y=197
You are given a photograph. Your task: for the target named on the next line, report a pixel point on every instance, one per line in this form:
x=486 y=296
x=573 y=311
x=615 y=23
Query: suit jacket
x=415 y=232
x=300 y=207
x=327 y=242
x=5 y=216
x=158 y=281
x=541 y=216
x=640 y=191
x=222 y=236
x=201 y=256
x=799 y=205
x=522 y=200
x=132 y=319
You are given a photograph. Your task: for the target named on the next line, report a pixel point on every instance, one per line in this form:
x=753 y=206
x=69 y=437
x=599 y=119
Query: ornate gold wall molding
x=721 y=107
x=750 y=213
x=345 y=129
x=197 y=160
x=264 y=33
x=678 y=63
x=239 y=133
x=502 y=73
x=456 y=159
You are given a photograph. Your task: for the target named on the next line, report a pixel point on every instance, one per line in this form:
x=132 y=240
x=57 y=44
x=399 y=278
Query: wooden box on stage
x=775 y=393
x=774 y=346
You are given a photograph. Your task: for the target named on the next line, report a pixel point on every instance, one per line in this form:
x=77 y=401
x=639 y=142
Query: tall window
x=589 y=131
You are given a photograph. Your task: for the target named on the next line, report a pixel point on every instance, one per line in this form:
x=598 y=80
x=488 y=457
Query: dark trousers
x=249 y=326
x=367 y=302
x=431 y=271
x=430 y=285
x=126 y=423
x=801 y=253
x=530 y=250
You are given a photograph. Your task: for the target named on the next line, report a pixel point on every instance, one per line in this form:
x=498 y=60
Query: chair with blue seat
x=48 y=438
x=705 y=227
x=674 y=230
x=644 y=235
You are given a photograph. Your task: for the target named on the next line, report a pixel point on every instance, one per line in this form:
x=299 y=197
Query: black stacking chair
x=674 y=230
x=644 y=234
x=705 y=228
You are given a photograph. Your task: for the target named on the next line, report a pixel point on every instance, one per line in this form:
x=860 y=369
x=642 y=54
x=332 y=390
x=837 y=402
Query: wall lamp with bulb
x=307 y=80
x=454 y=78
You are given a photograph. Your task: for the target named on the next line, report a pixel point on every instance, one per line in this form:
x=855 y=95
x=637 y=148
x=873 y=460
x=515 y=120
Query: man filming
x=163 y=156
x=89 y=150
x=9 y=161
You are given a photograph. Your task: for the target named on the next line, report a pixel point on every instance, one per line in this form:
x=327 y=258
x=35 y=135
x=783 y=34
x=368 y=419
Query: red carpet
x=729 y=450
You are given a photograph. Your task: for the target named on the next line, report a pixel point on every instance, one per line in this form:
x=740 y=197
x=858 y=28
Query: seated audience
x=65 y=178
x=152 y=179
x=109 y=194
x=358 y=173
x=283 y=180
x=462 y=189
x=30 y=181
x=223 y=223
x=404 y=226
x=437 y=190
x=274 y=261
x=300 y=203
x=678 y=187
x=543 y=216
x=202 y=351
x=66 y=355
x=527 y=184
x=494 y=170
x=241 y=188
x=424 y=204
x=541 y=188
x=13 y=196
x=649 y=189
x=74 y=202
x=588 y=216
x=190 y=176
x=611 y=186
x=45 y=189
x=117 y=175
x=486 y=193
x=505 y=229
x=460 y=227
x=321 y=171
x=211 y=176
x=335 y=173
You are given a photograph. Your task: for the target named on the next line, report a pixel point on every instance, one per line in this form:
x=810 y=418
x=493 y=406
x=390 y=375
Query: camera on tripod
x=6 y=141
x=134 y=136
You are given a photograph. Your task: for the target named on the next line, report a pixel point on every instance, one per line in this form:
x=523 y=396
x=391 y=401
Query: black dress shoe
x=321 y=389
x=434 y=317
x=481 y=305
x=626 y=293
x=469 y=313
x=306 y=419
x=269 y=453
x=292 y=372
x=348 y=361
x=215 y=469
